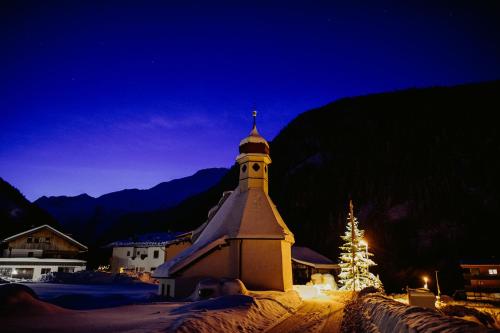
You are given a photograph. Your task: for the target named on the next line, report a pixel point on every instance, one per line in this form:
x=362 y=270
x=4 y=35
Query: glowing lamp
x=425 y=282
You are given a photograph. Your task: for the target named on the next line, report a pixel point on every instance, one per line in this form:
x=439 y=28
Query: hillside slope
x=90 y=217
x=421 y=166
x=17 y=213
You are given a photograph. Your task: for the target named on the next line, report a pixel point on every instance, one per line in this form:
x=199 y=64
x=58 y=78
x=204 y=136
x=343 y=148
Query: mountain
x=421 y=165
x=17 y=213
x=90 y=217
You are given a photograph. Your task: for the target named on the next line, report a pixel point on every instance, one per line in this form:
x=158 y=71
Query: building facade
x=482 y=280
x=244 y=237
x=41 y=250
x=306 y=262
x=144 y=253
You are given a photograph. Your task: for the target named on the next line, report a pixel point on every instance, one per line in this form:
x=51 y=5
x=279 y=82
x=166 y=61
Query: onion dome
x=254 y=143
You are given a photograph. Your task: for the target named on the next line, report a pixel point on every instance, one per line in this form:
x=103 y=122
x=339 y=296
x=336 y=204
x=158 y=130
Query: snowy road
x=323 y=315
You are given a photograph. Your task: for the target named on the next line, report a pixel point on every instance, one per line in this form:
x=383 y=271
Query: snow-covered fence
x=374 y=313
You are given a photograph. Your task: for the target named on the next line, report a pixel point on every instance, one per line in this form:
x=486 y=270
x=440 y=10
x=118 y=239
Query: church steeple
x=254 y=160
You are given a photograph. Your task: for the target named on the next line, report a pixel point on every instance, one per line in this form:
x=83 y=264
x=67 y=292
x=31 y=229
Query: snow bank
x=17 y=299
x=254 y=312
x=94 y=296
x=236 y=313
x=375 y=313
x=87 y=277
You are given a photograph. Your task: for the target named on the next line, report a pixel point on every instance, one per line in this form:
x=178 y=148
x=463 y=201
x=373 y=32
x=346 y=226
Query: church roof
x=244 y=215
x=254 y=143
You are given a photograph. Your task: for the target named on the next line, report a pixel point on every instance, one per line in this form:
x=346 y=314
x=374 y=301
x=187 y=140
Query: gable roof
x=246 y=214
x=68 y=238
x=306 y=256
x=152 y=239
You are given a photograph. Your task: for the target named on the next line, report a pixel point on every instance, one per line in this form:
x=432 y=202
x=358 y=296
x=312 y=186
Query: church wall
x=264 y=265
x=174 y=249
x=286 y=253
x=218 y=264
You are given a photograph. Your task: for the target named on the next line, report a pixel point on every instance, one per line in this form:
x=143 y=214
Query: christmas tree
x=355 y=259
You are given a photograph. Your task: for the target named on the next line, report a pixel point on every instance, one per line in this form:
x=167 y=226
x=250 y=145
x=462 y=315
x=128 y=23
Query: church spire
x=254 y=131
x=253 y=159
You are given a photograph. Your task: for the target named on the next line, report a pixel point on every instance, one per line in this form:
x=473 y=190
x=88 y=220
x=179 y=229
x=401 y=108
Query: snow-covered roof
x=39 y=260
x=246 y=214
x=152 y=239
x=306 y=256
x=48 y=227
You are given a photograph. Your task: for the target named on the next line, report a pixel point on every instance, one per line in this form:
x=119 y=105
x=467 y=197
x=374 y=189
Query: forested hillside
x=421 y=165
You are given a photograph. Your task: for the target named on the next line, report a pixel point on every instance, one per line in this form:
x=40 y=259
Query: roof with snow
x=151 y=239
x=246 y=214
x=306 y=256
x=57 y=232
x=40 y=261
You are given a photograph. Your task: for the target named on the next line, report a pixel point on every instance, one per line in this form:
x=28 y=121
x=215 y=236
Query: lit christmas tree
x=355 y=259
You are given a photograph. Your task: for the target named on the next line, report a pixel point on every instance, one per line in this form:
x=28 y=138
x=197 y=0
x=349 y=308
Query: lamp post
x=425 y=282
x=438 y=289
x=365 y=244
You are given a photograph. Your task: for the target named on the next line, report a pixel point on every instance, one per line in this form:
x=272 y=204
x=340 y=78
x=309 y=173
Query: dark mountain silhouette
x=90 y=217
x=17 y=213
x=422 y=166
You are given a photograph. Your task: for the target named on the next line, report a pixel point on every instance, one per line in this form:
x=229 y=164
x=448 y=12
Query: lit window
x=492 y=271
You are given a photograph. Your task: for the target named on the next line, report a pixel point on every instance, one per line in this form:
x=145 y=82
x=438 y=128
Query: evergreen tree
x=355 y=259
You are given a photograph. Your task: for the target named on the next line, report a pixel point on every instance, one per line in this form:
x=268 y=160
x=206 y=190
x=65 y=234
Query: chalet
x=306 y=262
x=244 y=236
x=143 y=253
x=482 y=280
x=38 y=251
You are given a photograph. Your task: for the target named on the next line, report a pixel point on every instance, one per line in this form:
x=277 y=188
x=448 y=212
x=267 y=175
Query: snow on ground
x=488 y=312
x=316 y=315
x=242 y=313
x=236 y=313
x=377 y=313
x=93 y=296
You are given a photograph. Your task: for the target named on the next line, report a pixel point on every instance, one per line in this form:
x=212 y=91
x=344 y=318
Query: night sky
x=98 y=96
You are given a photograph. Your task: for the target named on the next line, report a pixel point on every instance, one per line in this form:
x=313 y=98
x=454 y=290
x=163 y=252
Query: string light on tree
x=355 y=259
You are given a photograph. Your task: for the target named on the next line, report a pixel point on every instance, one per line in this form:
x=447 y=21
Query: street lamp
x=425 y=282
x=438 y=289
x=365 y=244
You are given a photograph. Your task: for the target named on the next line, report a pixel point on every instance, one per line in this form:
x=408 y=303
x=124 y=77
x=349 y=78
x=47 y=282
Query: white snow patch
x=381 y=314
x=236 y=313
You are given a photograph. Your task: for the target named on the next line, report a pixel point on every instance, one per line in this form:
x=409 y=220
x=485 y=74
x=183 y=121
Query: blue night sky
x=97 y=96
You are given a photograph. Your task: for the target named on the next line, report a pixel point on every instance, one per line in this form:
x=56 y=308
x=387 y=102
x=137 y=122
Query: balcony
x=468 y=277
x=483 y=289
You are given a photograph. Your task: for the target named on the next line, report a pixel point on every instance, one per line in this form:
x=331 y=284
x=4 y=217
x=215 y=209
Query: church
x=244 y=236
